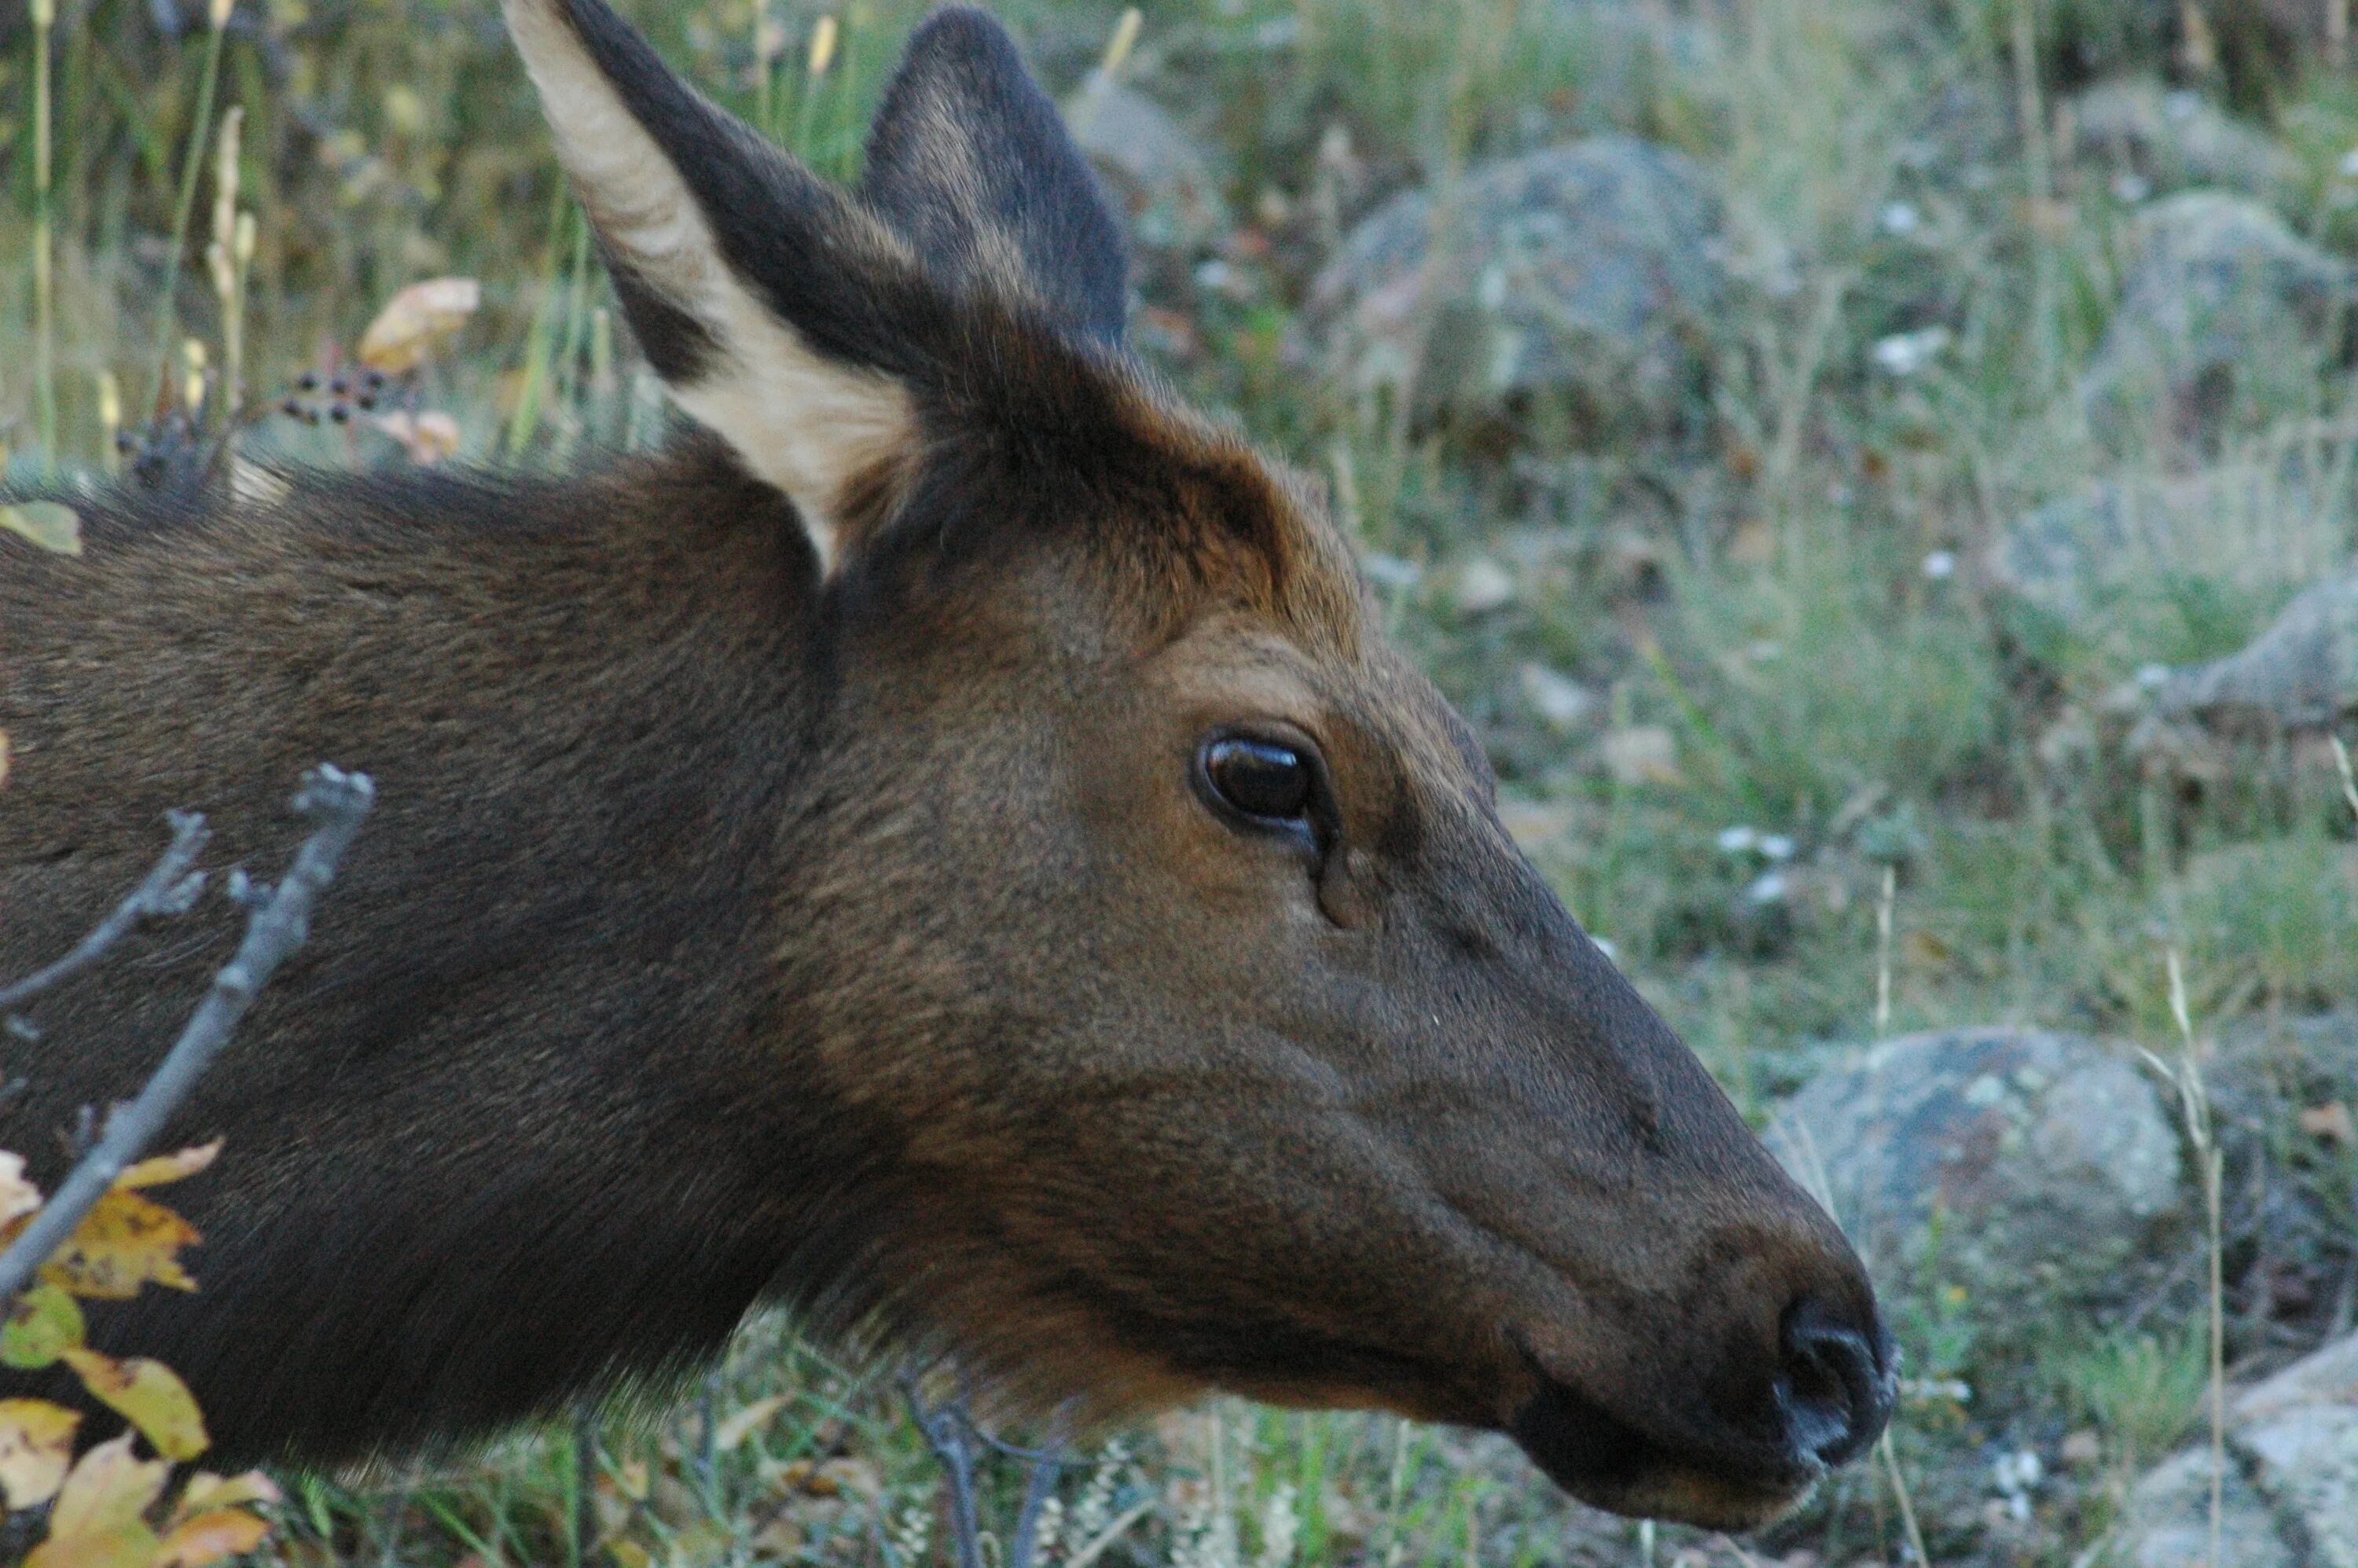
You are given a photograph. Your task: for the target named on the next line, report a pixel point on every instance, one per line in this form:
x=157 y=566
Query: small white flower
x=1904 y=353
x=1777 y=848
x=1605 y=946
x=2152 y=677
x=1901 y=218
x=1941 y=564
x=1735 y=840
x=1768 y=888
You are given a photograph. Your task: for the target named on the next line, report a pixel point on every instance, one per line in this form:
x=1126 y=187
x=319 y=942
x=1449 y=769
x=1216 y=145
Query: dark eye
x=1260 y=779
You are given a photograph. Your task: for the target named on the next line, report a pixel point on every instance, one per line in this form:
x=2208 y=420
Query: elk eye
x=1260 y=779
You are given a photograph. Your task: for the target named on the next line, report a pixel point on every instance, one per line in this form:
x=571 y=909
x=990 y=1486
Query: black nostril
x=1837 y=1383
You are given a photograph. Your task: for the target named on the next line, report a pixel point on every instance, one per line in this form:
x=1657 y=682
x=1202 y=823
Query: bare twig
x=2194 y=1101
x=339 y=802
x=948 y=1435
x=957 y=1442
x=169 y=889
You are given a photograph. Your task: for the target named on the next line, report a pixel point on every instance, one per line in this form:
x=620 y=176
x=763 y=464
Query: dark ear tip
x=960 y=30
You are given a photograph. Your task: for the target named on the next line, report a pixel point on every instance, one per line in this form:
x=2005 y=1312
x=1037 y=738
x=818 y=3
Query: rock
x=1162 y=178
x=1563 y=704
x=2290 y=1499
x=2138 y=131
x=1484 y=586
x=2166 y=1522
x=2254 y=528
x=2224 y=311
x=1580 y=278
x=2049 y=1161
x=2301 y=673
x=2298 y=1433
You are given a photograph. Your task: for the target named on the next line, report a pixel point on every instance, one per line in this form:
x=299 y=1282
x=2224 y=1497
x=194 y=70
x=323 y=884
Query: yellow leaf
x=48 y=524
x=108 y=1491
x=745 y=1422
x=18 y=1197
x=132 y=1546
x=2330 y=1122
x=124 y=1242
x=209 y=1536
x=428 y=437
x=36 y=1448
x=206 y=1491
x=147 y=1394
x=44 y=1323
x=417 y=319
x=163 y=1168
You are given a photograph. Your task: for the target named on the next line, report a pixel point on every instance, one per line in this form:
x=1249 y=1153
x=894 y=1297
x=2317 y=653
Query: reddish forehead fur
x=1244 y=531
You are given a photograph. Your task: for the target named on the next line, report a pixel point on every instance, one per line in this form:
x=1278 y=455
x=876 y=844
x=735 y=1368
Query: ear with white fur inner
x=778 y=313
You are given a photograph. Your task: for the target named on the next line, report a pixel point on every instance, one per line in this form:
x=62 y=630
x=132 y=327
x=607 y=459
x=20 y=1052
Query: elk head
x=1155 y=924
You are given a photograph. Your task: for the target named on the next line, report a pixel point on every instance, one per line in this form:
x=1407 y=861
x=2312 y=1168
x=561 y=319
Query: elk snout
x=1768 y=1422
x=1837 y=1383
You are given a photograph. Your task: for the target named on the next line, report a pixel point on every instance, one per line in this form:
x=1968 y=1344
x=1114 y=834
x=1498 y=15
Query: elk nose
x=1837 y=1384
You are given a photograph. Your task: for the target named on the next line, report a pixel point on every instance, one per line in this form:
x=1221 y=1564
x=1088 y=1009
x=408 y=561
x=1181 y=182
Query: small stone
x=1483 y=587
x=1562 y=703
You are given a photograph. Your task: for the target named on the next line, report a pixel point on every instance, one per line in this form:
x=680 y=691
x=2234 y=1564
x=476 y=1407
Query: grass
x=1786 y=590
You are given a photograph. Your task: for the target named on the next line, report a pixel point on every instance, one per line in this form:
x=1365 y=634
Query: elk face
x=1159 y=926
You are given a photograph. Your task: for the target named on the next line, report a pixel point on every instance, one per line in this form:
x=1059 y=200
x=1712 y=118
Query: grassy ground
x=1749 y=587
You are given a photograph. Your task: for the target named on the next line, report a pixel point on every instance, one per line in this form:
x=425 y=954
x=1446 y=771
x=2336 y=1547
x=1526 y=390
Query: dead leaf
x=18 y=1197
x=110 y=1489
x=44 y=1323
x=162 y=1168
x=35 y=1449
x=206 y=1491
x=147 y=1394
x=849 y=1478
x=51 y=525
x=428 y=438
x=124 y=1242
x=1641 y=754
x=132 y=1546
x=4 y=756
x=2330 y=1122
x=743 y=1423
x=209 y=1536
x=417 y=319
x=1925 y=951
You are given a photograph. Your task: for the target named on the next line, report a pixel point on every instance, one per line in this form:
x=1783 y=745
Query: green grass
x=1756 y=589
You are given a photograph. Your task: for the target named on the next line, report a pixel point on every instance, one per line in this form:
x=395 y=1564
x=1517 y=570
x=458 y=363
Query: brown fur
x=863 y=940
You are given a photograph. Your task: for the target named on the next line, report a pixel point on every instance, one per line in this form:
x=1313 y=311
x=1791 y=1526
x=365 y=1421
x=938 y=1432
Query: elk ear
x=777 y=312
x=971 y=164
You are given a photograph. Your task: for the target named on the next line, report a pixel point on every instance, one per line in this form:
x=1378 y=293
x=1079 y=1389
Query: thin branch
x=947 y=1436
x=169 y=889
x=1041 y=1486
x=957 y=1442
x=339 y=802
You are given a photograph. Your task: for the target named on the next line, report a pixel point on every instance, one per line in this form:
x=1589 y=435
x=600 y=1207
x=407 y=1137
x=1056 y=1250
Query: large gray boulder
x=2225 y=312
x=2301 y=673
x=2253 y=529
x=2137 y=129
x=1581 y=278
x=2041 y=1163
x=2292 y=1489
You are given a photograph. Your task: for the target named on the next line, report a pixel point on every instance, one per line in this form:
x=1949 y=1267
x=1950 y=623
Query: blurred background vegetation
x=1878 y=474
